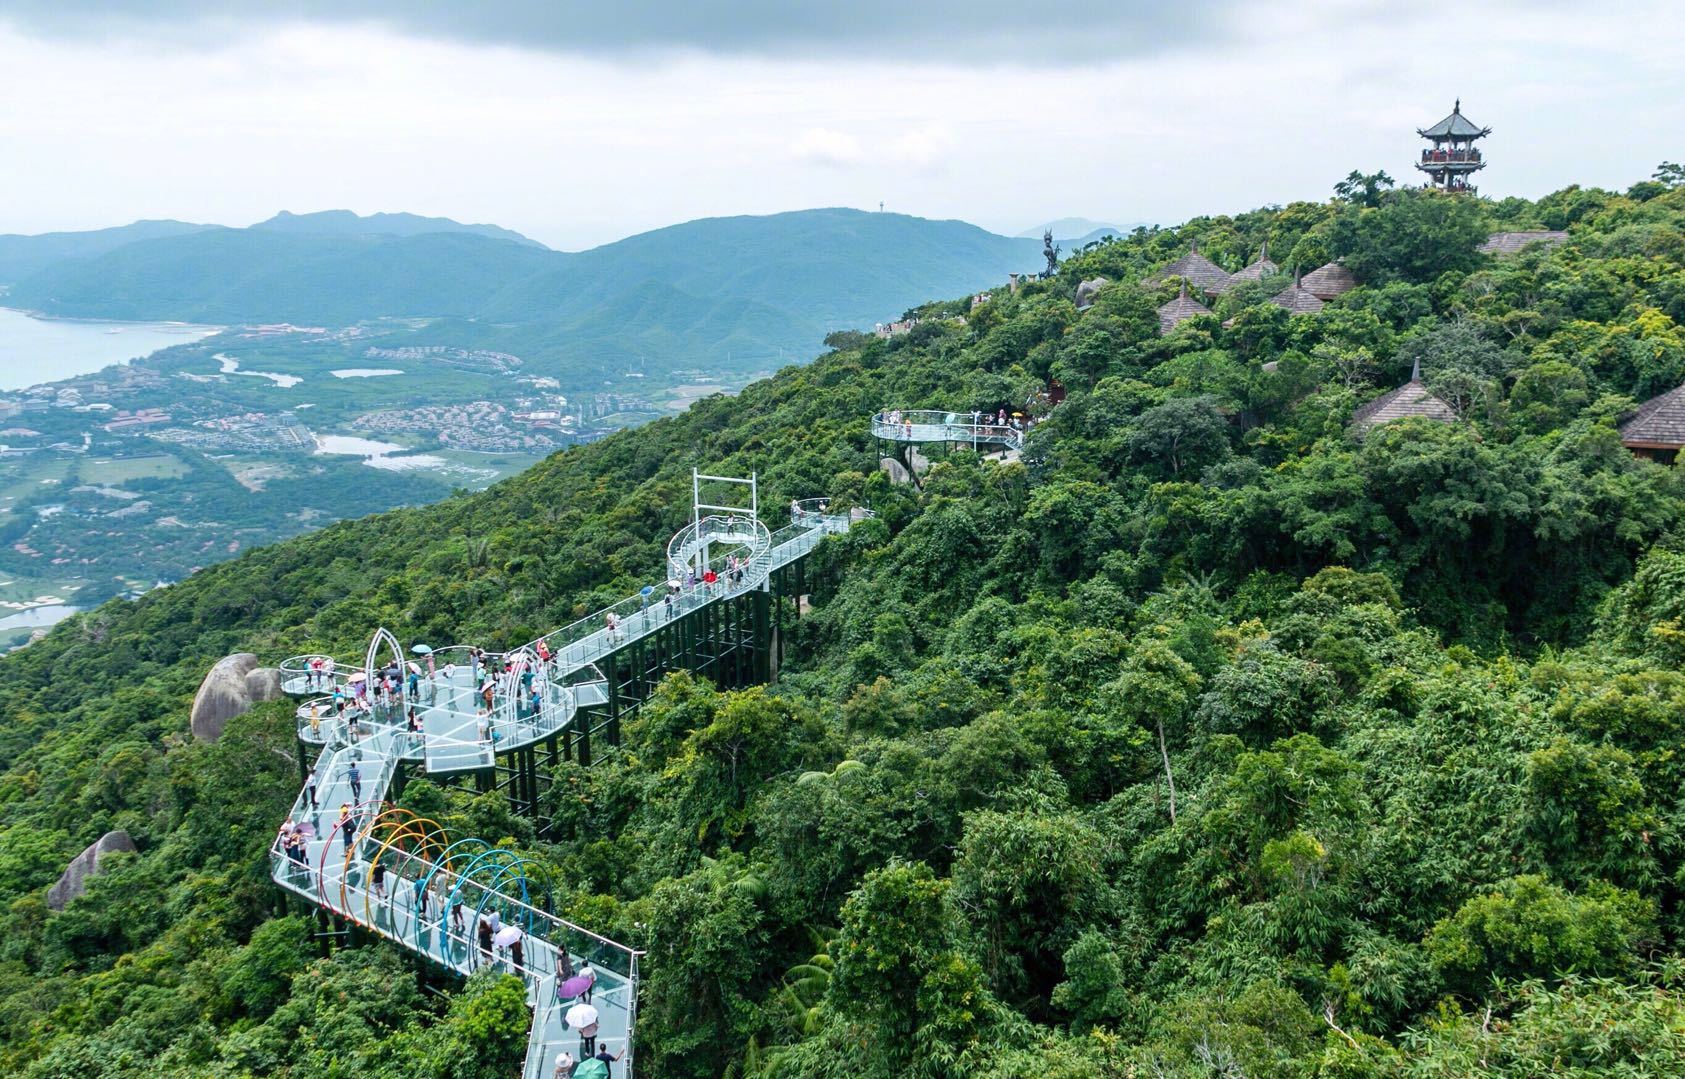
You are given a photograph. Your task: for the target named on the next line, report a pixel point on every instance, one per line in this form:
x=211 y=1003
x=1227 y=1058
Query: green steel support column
x=485 y=779
x=551 y=743
x=585 y=737
x=613 y=673
x=763 y=636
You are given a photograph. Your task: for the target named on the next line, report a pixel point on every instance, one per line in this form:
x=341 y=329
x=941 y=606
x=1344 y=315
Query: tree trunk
x=1168 y=778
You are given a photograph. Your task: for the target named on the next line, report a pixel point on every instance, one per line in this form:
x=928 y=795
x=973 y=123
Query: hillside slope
x=1205 y=733
x=24 y=256
x=791 y=278
x=347 y=223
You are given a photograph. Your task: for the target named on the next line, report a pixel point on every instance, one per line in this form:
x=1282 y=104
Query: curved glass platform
x=433 y=894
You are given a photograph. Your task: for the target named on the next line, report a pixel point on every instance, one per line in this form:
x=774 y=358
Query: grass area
x=21 y=589
x=115 y=471
x=22 y=476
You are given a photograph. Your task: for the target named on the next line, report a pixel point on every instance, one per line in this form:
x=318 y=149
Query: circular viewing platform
x=931 y=425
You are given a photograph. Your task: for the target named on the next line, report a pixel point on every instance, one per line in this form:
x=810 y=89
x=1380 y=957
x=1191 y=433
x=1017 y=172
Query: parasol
x=646 y=590
x=360 y=676
x=305 y=830
x=420 y=649
x=581 y=1016
x=575 y=986
x=507 y=936
x=415 y=668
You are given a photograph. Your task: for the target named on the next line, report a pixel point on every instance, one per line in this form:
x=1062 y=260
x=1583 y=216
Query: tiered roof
x=1411 y=399
x=1659 y=423
x=1455 y=126
x=1197 y=269
x=1182 y=308
x=1508 y=243
x=1327 y=282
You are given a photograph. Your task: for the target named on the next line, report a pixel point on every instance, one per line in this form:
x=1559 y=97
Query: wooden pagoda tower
x=1453 y=158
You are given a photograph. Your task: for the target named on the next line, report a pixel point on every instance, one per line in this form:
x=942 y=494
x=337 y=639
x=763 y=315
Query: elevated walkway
x=471 y=706
x=915 y=426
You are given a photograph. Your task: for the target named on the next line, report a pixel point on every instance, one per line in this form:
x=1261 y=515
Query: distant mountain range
x=727 y=293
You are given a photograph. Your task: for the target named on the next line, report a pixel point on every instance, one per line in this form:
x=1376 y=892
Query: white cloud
x=821 y=146
x=578 y=151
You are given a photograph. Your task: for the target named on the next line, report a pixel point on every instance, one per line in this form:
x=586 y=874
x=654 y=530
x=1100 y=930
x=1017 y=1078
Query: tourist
x=590 y=983
x=456 y=918
x=315 y=722
x=355 y=778
x=517 y=958
x=346 y=825
x=607 y=1057
x=667 y=603
x=564 y=1066
x=420 y=897
x=377 y=881
x=611 y=624
x=483 y=934
x=310 y=789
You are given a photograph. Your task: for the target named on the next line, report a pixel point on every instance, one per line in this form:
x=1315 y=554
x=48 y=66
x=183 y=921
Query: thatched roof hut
x=1196 y=269
x=1411 y=399
x=1297 y=299
x=1256 y=271
x=1657 y=429
x=1329 y=281
x=1182 y=308
x=1508 y=243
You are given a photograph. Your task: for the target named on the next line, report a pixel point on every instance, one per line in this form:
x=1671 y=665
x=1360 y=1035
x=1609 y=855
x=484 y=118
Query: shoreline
x=42 y=316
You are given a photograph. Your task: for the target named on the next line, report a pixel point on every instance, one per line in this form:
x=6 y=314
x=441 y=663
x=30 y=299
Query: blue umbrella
x=420 y=649
x=646 y=590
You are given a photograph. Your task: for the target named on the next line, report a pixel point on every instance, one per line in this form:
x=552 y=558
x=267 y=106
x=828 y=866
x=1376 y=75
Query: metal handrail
x=931 y=425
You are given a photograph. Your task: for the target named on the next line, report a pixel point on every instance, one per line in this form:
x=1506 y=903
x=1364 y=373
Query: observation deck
x=930 y=425
x=471 y=706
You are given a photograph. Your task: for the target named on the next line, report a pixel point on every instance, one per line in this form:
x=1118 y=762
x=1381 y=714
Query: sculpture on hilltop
x=1050 y=250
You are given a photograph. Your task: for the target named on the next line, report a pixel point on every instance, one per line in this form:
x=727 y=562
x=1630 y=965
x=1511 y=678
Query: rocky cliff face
x=230 y=689
x=86 y=865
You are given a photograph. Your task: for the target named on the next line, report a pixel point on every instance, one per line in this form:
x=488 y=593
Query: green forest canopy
x=1418 y=696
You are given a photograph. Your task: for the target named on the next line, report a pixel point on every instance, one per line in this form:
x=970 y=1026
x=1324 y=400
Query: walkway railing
x=532 y=698
x=928 y=425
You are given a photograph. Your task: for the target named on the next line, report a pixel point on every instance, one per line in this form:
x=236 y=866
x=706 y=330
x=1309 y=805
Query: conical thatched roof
x=1196 y=269
x=1297 y=299
x=1411 y=399
x=1659 y=423
x=1508 y=243
x=1327 y=282
x=1256 y=271
x=1182 y=308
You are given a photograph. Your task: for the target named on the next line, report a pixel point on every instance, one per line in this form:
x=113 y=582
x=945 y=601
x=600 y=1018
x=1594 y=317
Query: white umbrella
x=509 y=935
x=581 y=1016
x=415 y=669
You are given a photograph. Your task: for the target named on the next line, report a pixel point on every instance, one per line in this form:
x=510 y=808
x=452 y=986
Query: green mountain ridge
x=1207 y=738
x=348 y=223
x=793 y=277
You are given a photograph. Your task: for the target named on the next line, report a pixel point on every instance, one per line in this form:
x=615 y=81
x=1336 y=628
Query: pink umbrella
x=305 y=830
x=575 y=986
x=506 y=936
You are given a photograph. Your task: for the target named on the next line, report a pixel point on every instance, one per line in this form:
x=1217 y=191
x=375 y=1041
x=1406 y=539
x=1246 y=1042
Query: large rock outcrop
x=1087 y=290
x=86 y=865
x=230 y=689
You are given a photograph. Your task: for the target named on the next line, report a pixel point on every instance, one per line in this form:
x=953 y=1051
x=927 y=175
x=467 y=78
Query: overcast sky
x=581 y=122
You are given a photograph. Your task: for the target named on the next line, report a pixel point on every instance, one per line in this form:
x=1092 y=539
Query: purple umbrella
x=574 y=986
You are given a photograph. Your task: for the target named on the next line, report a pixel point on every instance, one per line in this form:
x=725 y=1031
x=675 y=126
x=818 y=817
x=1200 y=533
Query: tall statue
x=1051 y=251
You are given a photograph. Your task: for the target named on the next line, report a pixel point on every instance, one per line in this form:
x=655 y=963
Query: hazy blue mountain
x=739 y=291
x=21 y=256
x=1069 y=226
x=347 y=223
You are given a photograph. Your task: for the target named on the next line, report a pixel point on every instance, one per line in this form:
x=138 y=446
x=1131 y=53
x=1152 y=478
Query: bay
x=36 y=350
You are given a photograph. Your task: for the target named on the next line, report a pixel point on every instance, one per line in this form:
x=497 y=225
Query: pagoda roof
x=1179 y=310
x=1411 y=399
x=1196 y=269
x=1659 y=422
x=1508 y=243
x=1454 y=126
x=1327 y=282
x=1298 y=300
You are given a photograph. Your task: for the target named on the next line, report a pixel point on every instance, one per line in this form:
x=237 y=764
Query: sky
x=578 y=123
